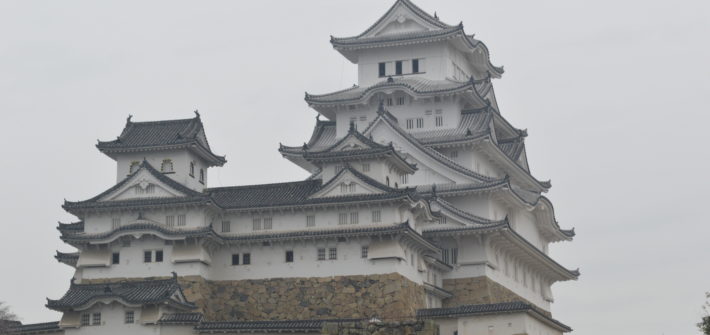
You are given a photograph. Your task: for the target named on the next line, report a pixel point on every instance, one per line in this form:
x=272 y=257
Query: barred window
x=147 y=256
x=310 y=221
x=256 y=223
x=166 y=165
x=376 y=216
x=442 y=220
x=333 y=253
x=454 y=154
x=150 y=189
x=182 y=220
x=363 y=251
x=353 y=217
x=343 y=188
x=85 y=319
x=170 y=220
x=404 y=179
x=246 y=259
x=202 y=176
x=268 y=223
x=439 y=121
x=158 y=256
x=415 y=65
x=400 y=100
x=420 y=123
x=410 y=123
x=289 y=256
x=352 y=187
x=343 y=218
x=129 y=317
x=95 y=319
x=192 y=169
x=321 y=254
x=226 y=226
x=115 y=258
x=390 y=102
x=235 y=259
x=366 y=167
x=115 y=223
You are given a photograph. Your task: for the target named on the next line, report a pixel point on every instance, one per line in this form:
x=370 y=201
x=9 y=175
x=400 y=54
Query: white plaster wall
x=526 y=225
x=181 y=166
x=473 y=160
x=131 y=263
x=112 y=322
x=103 y=222
x=433 y=54
x=502 y=324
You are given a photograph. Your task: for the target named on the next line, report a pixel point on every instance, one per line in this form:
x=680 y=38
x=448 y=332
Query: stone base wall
x=381 y=328
x=385 y=296
x=479 y=290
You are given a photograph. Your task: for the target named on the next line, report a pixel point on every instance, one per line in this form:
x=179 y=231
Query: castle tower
x=420 y=205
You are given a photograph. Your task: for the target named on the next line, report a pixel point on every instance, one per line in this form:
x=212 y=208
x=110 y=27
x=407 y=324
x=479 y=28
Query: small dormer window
x=192 y=169
x=202 y=176
x=134 y=167
x=166 y=166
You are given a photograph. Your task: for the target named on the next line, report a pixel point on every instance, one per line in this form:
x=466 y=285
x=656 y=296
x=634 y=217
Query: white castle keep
x=420 y=206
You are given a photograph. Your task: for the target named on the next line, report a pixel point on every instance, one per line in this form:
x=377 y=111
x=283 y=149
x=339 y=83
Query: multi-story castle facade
x=420 y=205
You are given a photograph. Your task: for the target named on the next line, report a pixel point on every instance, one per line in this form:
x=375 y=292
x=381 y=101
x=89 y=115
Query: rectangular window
x=147 y=256
x=181 y=220
x=442 y=220
x=333 y=253
x=439 y=121
x=226 y=226
x=115 y=258
x=343 y=188
x=352 y=188
x=338 y=168
x=170 y=220
x=382 y=69
x=401 y=100
x=454 y=255
x=95 y=319
x=246 y=259
x=353 y=121
x=420 y=122
x=363 y=251
x=289 y=256
x=158 y=256
x=256 y=223
x=366 y=167
x=410 y=123
x=343 y=218
x=454 y=154
x=415 y=66
x=268 y=223
x=376 y=216
x=390 y=102
x=129 y=317
x=353 y=218
x=427 y=113
x=85 y=319
x=437 y=99
x=398 y=67
x=310 y=221
x=235 y=259
x=115 y=223
x=404 y=179
x=321 y=254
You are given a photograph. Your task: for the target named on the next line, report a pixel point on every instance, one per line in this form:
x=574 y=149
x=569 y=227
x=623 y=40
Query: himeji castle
x=420 y=205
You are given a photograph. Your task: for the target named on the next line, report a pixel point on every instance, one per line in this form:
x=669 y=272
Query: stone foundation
x=386 y=296
x=479 y=290
x=381 y=328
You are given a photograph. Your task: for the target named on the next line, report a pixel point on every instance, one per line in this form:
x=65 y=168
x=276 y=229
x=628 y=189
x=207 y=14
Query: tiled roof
x=180 y=318
x=193 y=232
x=276 y=326
x=323 y=134
x=162 y=134
x=485 y=309
x=36 y=328
x=342 y=231
x=67 y=258
x=71 y=228
x=416 y=85
x=415 y=9
x=344 y=42
x=134 y=293
x=471 y=125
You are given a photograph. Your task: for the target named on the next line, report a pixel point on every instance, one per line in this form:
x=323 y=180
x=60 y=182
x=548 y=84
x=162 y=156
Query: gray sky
x=614 y=94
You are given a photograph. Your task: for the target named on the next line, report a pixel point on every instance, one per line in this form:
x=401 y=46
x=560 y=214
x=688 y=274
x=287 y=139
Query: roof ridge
x=207 y=190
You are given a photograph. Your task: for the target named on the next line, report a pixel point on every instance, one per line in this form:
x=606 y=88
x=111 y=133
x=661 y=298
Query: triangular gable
x=403 y=17
x=353 y=142
x=428 y=160
x=142 y=184
x=349 y=182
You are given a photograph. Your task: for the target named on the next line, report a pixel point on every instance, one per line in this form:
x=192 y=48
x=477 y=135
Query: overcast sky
x=614 y=95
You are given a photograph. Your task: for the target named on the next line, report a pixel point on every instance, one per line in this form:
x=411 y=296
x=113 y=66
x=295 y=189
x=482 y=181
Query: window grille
x=439 y=121
x=310 y=221
x=235 y=259
x=410 y=123
x=129 y=317
x=420 y=123
x=226 y=226
x=85 y=319
x=404 y=179
x=115 y=223
x=246 y=259
x=376 y=216
x=147 y=256
x=343 y=218
x=150 y=189
x=353 y=218
x=343 y=188
x=192 y=169
x=363 y=251
x=95 y=319
x=321 y=254
x=352 y=188
x=115 y=258
x=256 y=223
x=182 y=220
x=289 y=256
x=158 y=256
x=268 y=223
x=170 y=220
x=454 y=154
x=166 y=165
x=333 y=253
x=390 y=102
x=366 y=167
x=400 y=101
